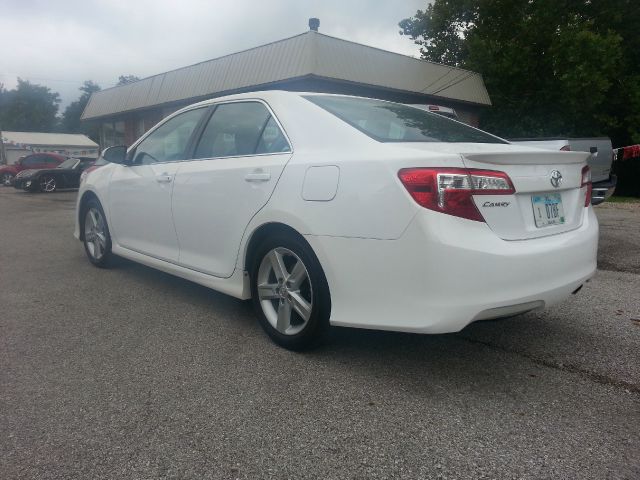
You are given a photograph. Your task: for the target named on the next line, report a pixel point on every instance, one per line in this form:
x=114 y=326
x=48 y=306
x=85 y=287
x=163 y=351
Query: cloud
x=61 y=44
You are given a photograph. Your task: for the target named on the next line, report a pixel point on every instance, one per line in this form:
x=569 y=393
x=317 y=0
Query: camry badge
x=556 y=178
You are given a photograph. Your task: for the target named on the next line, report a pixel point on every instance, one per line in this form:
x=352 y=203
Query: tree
x=552 y=67
x=440 y=30
x=71 y=117
x=28 y=108
x=124 y=79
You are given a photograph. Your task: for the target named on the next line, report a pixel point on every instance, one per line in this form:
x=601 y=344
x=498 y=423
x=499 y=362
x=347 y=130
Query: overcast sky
x=62 y=43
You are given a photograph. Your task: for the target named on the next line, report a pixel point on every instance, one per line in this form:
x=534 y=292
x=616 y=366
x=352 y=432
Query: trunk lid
x=513 y=217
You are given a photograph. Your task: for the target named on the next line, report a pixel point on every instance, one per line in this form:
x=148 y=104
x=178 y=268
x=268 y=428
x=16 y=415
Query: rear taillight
x=586 y=181
x=451 y=190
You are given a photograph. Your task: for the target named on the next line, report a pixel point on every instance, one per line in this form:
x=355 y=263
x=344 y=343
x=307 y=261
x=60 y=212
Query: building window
x=106 y=134
x=112 y=133
x=139 y=128
x=118 y=129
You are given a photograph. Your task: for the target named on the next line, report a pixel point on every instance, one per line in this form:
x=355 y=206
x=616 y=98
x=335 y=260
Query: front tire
x=290 y=292
x=97 y=239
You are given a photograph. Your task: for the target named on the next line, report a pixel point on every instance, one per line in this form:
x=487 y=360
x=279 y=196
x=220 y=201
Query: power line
x=438 y=79
x=452 y=83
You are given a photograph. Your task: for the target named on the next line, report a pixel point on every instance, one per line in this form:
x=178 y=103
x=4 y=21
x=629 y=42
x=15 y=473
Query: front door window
x=169 y=141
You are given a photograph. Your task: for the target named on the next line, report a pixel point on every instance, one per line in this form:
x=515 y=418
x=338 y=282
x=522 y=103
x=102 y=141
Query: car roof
x=267 y=95
x=49 y=154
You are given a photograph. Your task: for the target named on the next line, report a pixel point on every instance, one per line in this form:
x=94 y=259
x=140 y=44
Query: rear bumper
x=603 y=190
x=445 y=272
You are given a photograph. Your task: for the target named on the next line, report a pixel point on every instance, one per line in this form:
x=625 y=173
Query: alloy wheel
x=47 y=184
x=95 y=235
x=285 y=291
x=6 y=179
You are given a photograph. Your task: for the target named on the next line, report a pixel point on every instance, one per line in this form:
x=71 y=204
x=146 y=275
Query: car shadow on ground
x=476 y=353
x=369 y=352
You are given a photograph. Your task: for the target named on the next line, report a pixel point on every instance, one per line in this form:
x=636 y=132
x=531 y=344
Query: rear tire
x=96 y=238
x=7 y=178
x=48 y=183
x=290 y=292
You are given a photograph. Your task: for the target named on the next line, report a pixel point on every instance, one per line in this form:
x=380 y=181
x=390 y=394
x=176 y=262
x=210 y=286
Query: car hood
x=7 y=168
x=25 y=173
x=49 y=170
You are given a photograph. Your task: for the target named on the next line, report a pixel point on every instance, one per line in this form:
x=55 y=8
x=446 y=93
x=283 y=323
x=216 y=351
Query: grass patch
x=615 y=199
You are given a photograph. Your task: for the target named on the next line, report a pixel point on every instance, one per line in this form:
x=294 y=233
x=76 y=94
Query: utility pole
x=3 y=154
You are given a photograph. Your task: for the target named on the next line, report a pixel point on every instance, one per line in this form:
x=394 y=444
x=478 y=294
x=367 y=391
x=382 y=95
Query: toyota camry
x=337 y=210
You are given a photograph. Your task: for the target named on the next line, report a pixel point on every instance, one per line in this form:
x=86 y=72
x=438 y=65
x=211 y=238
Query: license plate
x=547 y=209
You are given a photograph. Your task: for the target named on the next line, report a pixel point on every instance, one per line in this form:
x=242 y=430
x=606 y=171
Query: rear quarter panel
x=600 y=160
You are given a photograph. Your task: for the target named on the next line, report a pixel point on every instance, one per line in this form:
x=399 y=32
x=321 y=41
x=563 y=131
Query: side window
x=243 y=128
x=169 y=141
x=272 y=139
x=32 y=161
x=51 y=161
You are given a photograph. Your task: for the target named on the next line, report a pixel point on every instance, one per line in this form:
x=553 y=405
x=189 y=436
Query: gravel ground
x=131 y=373
x=620 y=246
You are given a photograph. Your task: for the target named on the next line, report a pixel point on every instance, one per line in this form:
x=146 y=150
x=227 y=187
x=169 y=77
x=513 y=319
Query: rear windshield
x=394 y=122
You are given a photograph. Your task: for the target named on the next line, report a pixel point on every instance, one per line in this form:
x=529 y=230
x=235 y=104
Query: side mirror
x=115 y=154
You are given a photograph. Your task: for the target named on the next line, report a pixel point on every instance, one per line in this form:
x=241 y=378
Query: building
x=310 y=61
x=17 y=144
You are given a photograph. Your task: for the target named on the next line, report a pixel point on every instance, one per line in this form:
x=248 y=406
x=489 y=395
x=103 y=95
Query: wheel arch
x=86 y=196
x=260 y=233
x=271 y=228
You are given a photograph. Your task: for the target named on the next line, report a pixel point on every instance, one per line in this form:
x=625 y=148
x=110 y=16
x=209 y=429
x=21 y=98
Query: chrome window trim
x=211 y=158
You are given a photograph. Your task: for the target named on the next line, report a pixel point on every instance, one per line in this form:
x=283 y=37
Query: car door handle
x=258 y=177
x=164 y=178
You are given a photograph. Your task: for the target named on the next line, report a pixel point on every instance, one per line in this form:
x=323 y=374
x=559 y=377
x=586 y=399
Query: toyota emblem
x=556 y=178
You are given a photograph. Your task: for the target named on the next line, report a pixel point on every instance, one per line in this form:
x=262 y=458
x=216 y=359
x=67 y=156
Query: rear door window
x=272 y=139
x=238 y=129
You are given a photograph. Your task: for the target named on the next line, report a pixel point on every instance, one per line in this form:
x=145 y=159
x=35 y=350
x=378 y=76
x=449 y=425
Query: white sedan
x=338 y=210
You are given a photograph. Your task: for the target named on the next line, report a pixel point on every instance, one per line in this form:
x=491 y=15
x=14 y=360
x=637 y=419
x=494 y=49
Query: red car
x=36 y=161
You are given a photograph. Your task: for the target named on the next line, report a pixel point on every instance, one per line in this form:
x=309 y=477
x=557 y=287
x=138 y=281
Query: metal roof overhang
x=309 y=55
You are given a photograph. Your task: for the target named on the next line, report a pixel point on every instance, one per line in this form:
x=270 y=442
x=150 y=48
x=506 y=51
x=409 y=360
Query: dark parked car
x=35 y=161
x=66 y=175
x=98 y=163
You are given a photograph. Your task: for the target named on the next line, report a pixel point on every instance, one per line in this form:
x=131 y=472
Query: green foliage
x=616 y=199
x=28 y=108
x=71 y=117
x=552 y=67
x=124 y=79
x=440 y=30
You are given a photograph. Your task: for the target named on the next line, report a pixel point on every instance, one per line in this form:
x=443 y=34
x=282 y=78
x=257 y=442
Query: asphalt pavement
x=131 y=373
